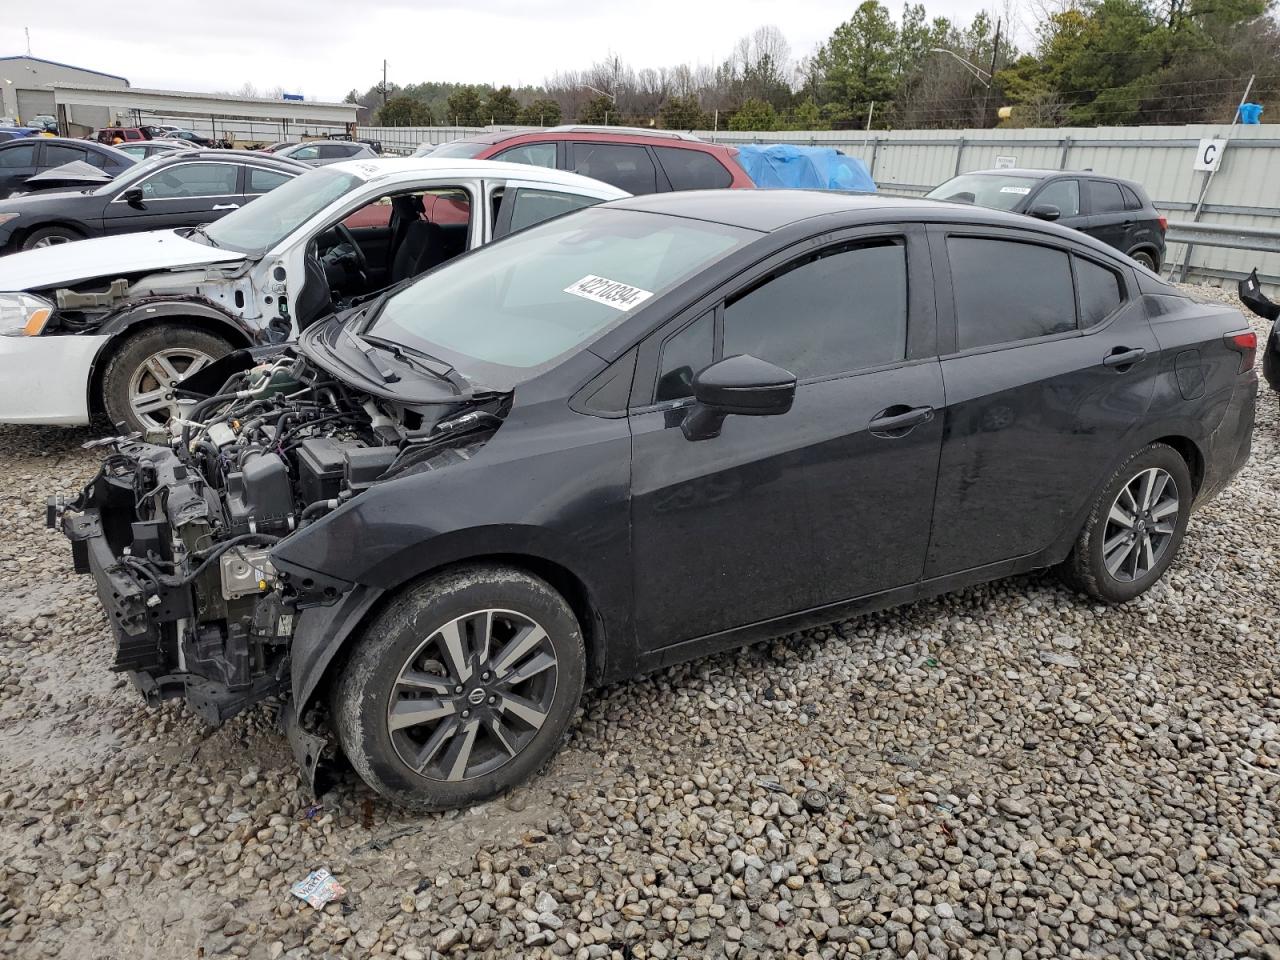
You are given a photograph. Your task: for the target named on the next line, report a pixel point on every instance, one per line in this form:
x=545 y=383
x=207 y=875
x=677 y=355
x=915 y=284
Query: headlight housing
x=23 y=314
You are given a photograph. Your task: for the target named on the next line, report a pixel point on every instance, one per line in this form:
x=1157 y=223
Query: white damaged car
x=111 y=325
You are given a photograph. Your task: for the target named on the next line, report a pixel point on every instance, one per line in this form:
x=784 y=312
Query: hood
x=107 y=256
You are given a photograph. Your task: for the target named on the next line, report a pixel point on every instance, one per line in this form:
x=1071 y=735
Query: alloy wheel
x=151 y=387
x=50 y=241
x=472 y=695
x=1140 y=525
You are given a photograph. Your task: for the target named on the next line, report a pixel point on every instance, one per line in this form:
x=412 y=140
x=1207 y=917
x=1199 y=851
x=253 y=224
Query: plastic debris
x=815 y=801
x=319 y=887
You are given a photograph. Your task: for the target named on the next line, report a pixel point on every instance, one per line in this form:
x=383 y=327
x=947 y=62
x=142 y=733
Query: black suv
x=1117 y=212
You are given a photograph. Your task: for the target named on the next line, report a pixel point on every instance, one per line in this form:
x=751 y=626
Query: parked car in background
x=112 y=135
x=537 y=460
x=1251 y=295
x=317 y=153
x=164 y=304
x=635 y=160
x=174 y=190
x=196 y=139
x=1117 y=212
x=18 y=133
x=277 y=147
x=146 y=149
x=374 y=145
x=24 y=158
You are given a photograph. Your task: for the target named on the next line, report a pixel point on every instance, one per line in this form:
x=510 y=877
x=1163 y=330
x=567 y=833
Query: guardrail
x=1226 y=235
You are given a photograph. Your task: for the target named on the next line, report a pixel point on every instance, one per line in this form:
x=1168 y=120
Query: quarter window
x=191 y=180
x=534 y=154
x=684 y=355
x=1100 y=292
x=1105 y=197
x=1007 y=291
x=1063 y=194
x=839 y=310
x=690 y=169
x=625 y=166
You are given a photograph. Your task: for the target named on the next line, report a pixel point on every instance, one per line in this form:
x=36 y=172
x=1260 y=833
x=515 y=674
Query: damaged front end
x=179 y=536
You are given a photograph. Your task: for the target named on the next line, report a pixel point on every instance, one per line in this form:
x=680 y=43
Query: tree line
x=1092 y=62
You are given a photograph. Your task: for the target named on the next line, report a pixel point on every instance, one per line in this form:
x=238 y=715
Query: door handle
x=897 y=421
x=226 y=206
x=1124 y=357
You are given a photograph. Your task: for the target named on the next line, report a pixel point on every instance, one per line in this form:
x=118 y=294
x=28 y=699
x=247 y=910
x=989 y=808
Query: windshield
x=257 y=227
x=984 y=189
x=503 y=312
x=459 y=148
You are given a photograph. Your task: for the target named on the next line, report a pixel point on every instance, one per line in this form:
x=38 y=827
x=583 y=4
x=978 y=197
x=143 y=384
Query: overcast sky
x=323 y=48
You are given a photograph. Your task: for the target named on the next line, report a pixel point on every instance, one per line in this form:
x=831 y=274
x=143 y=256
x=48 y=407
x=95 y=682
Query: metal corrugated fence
x=1245 y=192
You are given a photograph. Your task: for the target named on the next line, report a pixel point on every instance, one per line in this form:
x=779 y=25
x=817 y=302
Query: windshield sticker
x=612 y=293
x=1020 y=191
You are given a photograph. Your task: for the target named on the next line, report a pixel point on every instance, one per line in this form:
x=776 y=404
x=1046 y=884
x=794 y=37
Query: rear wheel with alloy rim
x=1145 y=258
x=461 y=688
x=1134 y=528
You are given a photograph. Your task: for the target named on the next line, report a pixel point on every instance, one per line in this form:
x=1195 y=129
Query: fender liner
x=319 y=634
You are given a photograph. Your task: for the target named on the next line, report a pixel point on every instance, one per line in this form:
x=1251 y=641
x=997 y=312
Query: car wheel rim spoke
x=151 y=396
x=472 y=695
x=1140 y=525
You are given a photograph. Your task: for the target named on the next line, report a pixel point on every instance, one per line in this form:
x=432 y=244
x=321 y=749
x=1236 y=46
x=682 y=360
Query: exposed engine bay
x=179 y=535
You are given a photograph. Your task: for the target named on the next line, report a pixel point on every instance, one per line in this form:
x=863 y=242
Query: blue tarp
x=815 y=168
x=1250 y=113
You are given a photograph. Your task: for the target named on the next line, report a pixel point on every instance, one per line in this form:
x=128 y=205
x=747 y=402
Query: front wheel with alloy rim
x=50 y=237
x=461 y=688
x=139 y=381
x=1135 y=527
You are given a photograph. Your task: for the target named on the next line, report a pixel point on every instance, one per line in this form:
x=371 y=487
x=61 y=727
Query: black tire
x=362 y=694
x=136 y=350
x=50 y=236
x=1147 y=259
x=1086 y=568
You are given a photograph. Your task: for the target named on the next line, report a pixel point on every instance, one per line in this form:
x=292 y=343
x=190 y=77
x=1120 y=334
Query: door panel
x=1108 y=220
x=1031 y=427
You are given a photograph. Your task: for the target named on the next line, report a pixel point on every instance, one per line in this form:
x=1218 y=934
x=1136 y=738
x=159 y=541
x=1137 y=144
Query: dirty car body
x=598 y=408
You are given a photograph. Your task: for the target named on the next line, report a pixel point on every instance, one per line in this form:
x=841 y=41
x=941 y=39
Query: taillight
x=1164 y=224
x=1246 y=344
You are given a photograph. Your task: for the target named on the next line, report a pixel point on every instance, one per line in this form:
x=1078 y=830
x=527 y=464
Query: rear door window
x=625 y=166
x=20 y=155
x=1007 y=291
x=689 y=169
x=56 y=154
x=840 y=310
x=1105 y=197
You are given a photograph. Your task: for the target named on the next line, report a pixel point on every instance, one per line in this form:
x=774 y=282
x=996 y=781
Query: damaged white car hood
x=127 y=253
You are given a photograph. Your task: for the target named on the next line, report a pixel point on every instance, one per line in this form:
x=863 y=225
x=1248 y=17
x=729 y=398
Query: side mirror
x=743 y=385
x=134 y=198
x=1045 y=211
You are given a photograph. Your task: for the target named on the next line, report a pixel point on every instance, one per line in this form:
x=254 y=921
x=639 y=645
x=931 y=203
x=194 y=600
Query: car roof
x=405 y=168
x=771 y=209
x=1038 y=174
x=213 y=153
x=664 y=138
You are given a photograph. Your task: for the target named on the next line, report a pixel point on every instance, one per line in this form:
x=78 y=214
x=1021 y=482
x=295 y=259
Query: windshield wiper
x=367 y=351
x=200 y=230
x=423 y=361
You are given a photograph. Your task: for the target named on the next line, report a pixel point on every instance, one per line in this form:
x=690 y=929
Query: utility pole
x=27 y=31
x=384 y=83
x=995 y=49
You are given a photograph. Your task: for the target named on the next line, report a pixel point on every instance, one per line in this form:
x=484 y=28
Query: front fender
x=238 y=330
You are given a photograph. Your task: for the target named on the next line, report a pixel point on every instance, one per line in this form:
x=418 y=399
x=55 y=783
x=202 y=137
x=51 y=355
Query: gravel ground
x=1003 y=772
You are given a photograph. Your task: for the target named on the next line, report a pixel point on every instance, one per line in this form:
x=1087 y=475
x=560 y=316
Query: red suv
x=632 y=159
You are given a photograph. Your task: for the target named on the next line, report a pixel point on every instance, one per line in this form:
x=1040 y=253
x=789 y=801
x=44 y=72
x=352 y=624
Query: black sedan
x=1250 y=289
x=643 y=432
x=183 y=189
x=21 y=159
x=1117 y=212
